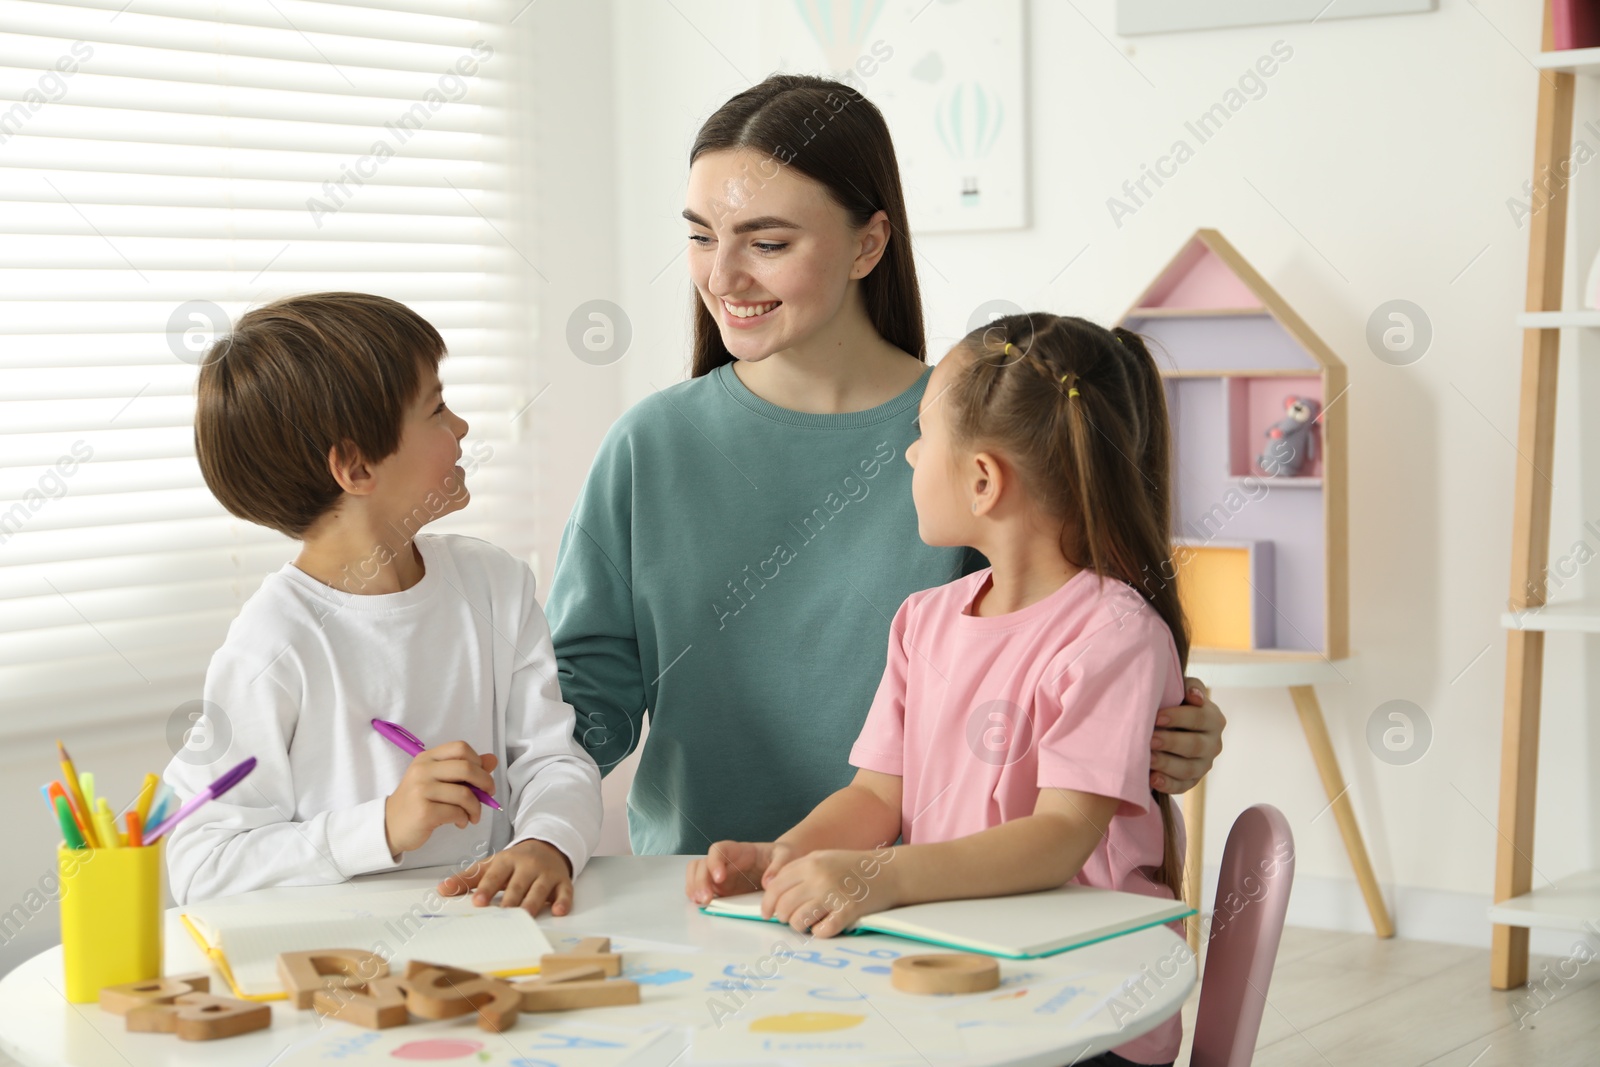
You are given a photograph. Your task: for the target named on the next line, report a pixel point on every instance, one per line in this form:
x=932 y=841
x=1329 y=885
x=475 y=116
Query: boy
x=322 y=417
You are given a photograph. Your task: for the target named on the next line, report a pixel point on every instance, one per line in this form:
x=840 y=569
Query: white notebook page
x=400 y=924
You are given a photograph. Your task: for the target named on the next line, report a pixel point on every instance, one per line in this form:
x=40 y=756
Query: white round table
x=710 y=987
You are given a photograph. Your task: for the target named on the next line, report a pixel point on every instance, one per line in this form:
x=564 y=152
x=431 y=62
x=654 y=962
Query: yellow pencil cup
x=110 y=917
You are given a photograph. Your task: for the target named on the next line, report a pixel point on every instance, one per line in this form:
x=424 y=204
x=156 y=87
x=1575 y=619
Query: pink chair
x=1246 y=924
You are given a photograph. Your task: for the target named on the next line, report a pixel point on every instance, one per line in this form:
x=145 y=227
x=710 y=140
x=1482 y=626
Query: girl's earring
x=974 y=507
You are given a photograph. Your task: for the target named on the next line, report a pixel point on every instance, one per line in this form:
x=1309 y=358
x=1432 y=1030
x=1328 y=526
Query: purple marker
x=210 y=792
x=408 y=743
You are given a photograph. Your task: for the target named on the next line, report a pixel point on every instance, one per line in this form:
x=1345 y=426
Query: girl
x=1008 y=745
x=744 y=535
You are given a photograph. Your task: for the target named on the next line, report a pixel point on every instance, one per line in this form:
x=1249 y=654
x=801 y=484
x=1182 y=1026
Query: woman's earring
x=974 y=507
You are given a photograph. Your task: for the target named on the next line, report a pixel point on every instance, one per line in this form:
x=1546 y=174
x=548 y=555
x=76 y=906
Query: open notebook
x=244 y=934
x=1016 y=927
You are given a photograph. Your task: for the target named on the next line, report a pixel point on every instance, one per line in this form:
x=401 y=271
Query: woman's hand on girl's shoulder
x=733 y=867
x=1188 y=740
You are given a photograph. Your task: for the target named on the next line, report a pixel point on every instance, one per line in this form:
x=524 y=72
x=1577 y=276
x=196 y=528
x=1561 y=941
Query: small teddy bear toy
x=1291 y=446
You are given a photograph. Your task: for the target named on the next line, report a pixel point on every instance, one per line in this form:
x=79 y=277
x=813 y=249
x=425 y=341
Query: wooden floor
x=1345 y=999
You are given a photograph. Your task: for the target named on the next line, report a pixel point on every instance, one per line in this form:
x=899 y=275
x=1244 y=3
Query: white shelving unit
x=1573 y=902
x=1568 y=616
x=1585 y=61
x=1565 y=904
x=1558 y=320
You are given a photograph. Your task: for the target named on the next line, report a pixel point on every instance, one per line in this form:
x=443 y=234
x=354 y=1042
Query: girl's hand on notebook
x=434 y=792
x=827 y=890
x=531 y=873
x=1187 y=741
x=733 y=867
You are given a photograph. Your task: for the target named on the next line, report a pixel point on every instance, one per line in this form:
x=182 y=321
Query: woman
x=744 y=537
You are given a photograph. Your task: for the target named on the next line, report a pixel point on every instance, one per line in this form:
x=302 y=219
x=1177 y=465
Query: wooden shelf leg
x=1530 y=526
x=1316 y=730
x=1519 y=777
x=1194 y=825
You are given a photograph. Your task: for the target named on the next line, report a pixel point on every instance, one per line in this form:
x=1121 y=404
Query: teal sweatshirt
x=730 y=569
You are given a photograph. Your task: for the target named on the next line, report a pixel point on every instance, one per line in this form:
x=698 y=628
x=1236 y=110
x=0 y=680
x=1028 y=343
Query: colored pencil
x=147 y=793
x=70 y=780
x=77 y=816
x=105 y=826
x=159 y=806
x=69 y=829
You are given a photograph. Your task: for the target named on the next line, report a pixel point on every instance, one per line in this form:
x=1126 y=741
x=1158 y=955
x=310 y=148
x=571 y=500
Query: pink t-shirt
x=1061 y=694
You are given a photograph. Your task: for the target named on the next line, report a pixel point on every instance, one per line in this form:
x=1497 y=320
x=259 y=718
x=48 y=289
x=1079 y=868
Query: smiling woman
x=809 y=354
x=789 y=240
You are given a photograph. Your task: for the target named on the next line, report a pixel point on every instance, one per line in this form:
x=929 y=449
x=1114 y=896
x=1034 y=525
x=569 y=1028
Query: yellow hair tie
x=1072 y=390
x=1006 y=351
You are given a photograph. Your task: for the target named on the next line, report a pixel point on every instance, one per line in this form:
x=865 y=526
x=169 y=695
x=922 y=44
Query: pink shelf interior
x=1255 y=404
x=1575 y=24
x=1199 y=279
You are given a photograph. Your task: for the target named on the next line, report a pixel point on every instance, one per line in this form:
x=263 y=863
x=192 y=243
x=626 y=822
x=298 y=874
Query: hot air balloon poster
x=948 y=76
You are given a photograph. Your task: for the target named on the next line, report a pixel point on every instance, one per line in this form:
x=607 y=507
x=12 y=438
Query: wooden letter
x=200 y=1017
x=151 y=1019
x=582 y=986
x=303 y=973
x=437 y=992
x=120 y=999
x=591 y=950
x=376 y=1005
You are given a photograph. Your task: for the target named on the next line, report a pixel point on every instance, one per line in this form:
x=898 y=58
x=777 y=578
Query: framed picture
x=949 y=78
x=1167 y=16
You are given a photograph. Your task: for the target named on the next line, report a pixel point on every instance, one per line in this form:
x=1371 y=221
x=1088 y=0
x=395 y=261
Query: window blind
x=164 y=166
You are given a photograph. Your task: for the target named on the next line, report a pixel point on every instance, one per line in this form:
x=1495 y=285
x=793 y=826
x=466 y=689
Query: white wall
x=577 y=241
x=1376 y=166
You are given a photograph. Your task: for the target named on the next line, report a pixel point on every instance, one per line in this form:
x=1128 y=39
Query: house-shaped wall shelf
x=1261 y=556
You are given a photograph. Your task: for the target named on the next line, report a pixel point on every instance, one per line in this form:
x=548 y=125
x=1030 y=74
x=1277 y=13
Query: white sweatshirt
x=463 y=655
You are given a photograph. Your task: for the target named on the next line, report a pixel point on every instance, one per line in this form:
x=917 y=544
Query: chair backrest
x=1242 y=942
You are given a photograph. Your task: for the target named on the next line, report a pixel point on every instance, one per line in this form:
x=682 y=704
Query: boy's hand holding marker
x=449 y=784
x=436 y=790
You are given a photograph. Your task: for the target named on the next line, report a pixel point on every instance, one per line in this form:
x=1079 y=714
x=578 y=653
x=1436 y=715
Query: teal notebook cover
x=865 y=925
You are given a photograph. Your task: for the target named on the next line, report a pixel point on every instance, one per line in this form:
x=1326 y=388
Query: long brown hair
x=1081 y=412
x=833 y=135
